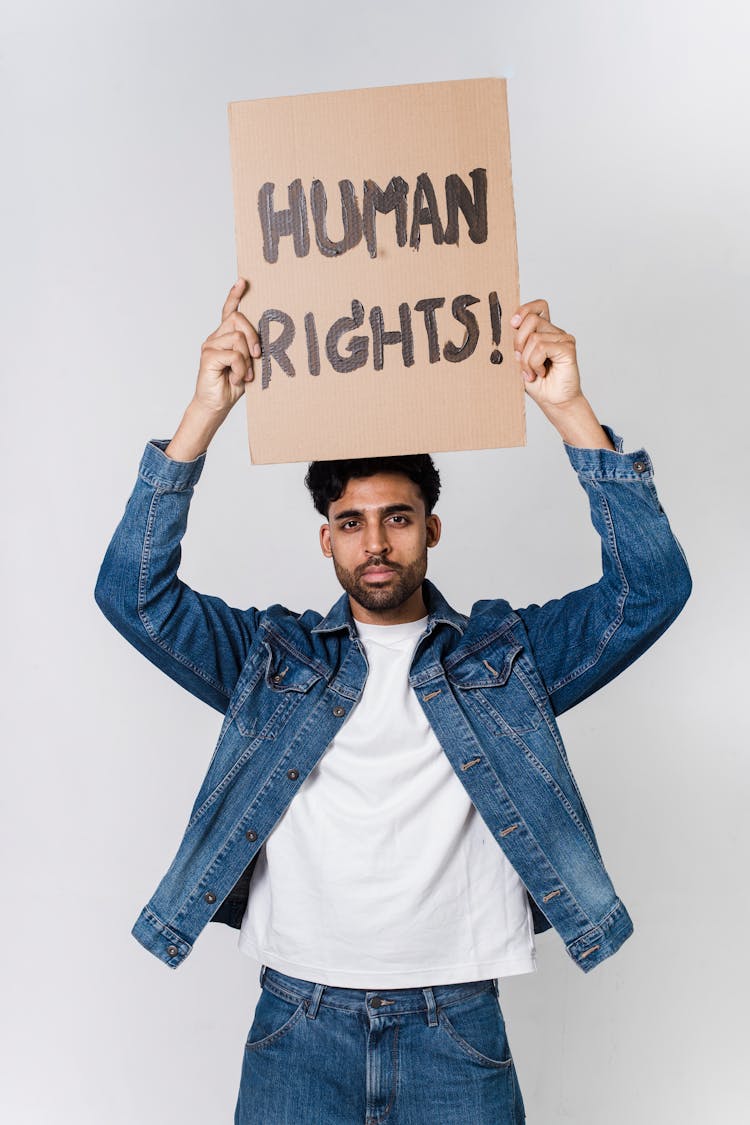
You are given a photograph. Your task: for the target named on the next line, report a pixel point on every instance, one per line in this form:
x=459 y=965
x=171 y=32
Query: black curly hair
x=327 y=480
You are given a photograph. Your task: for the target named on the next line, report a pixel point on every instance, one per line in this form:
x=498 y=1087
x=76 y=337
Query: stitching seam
x=614 y=625
x=144 y=618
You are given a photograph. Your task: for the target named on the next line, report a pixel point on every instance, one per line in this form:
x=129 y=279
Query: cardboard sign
x=377 y=231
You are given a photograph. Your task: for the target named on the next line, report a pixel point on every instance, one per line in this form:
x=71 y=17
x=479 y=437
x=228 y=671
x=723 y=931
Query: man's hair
x=327 y=480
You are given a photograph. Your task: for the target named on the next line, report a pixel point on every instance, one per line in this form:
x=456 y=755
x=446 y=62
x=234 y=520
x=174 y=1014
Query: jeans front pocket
x=477 y=1028
x=273 y=1018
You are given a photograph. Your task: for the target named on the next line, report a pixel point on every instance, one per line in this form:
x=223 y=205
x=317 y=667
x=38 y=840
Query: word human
x=347 y=350
x=361 y=221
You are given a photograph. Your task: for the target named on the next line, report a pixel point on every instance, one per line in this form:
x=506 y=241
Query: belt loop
x=262 y=974
x=314 y=1002
x=429 y=995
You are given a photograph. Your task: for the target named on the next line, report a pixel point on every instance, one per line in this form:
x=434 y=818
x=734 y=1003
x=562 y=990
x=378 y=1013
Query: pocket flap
x=285 y=672
x=486 y=667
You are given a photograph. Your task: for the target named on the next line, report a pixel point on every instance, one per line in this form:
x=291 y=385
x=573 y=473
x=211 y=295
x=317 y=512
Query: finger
x=538 y=308
x=542 y=349
x=234 y=340
x=227 y=361
x=232 y=302
x=230 y=341
x=532 y=323
x=238 y=321
x=237 y=341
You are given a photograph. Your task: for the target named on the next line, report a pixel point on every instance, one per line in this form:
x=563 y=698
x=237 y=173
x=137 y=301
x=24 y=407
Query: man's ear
x=434 y=528
x=325 y=540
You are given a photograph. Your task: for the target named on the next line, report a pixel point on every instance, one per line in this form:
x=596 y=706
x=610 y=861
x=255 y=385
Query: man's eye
x=349 y=524
x=403 y=519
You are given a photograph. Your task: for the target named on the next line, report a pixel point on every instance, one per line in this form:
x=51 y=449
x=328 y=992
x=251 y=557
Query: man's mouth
x=378 y=572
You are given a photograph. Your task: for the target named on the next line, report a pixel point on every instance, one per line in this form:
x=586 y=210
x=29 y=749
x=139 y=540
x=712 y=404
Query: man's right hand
x=226 y=366
x=227 y=357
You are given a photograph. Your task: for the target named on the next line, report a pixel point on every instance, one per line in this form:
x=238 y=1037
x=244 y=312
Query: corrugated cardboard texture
x=429 y=394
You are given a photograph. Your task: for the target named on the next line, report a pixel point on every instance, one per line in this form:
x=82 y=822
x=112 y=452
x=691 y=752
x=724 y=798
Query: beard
x=399 y=589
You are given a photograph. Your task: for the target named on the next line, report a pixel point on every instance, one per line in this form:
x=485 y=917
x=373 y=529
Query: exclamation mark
x=496 y=317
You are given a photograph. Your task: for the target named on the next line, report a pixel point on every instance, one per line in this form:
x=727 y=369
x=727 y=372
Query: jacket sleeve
x=583 y=640
x=198 y=640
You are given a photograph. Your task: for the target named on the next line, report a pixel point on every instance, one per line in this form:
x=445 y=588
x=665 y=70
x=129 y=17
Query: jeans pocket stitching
x=267 y=1040
x=472 y=1052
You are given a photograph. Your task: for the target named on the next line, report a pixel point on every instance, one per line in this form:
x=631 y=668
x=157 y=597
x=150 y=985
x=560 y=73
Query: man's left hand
x=547 y=355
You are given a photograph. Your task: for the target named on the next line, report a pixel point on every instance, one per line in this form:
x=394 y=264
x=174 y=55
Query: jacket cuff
x=165 y=474
x=608 y=464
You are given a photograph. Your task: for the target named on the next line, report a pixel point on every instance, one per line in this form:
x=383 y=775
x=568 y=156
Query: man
x=389 y=815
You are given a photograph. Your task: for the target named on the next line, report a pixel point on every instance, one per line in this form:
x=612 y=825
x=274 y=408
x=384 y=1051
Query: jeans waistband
x=396 y=1000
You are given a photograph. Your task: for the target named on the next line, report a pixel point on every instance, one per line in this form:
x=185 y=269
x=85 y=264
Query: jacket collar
x=340 y=615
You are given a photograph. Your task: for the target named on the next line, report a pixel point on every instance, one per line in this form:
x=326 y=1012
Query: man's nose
x=376 y=542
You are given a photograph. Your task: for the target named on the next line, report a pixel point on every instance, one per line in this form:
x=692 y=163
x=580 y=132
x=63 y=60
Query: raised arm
x=196 y=639
x=585 y=639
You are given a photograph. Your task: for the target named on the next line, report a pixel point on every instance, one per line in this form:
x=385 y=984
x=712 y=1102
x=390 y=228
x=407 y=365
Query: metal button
x=292 y=774
x=251 y=836
x=640 y=466
x=276 y=679
x=339 y=712
x=209 y=896
x=172 y=950
x=377 y=1002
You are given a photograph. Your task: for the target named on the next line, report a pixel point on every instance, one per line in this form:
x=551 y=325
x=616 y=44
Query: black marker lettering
x=275 y=224
x=428 y=306
x=461 y=312
x=380 y=338
x=425 y=211
x=275 y=349
x=496 y=320
x=392 y=199
x=358 y=347
x=474 y=207
x=350 y=217
x=313 y=348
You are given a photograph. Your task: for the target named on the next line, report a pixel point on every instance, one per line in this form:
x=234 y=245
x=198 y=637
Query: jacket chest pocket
x=275 y=689
x=494 y=687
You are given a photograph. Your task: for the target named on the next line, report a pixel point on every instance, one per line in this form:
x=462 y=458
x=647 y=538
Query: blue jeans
x=318 y=1055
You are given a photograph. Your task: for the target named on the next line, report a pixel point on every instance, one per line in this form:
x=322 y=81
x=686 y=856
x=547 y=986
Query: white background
x=629 y=140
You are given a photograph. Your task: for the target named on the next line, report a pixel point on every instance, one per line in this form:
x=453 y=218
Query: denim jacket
x=491 y=684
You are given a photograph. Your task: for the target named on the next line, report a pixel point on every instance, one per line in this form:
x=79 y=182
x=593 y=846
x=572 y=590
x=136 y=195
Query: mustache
x=373 y=563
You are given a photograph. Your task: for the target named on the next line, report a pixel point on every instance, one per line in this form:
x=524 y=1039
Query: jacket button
x=276 y=679
x=292 y=774
x=172 y=950
x=251 y=836
x=209 y=896
x=339 y=712
x=639 y=466
x=376 y=1002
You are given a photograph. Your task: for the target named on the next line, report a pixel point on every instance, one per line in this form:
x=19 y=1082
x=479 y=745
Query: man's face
x=377 y=535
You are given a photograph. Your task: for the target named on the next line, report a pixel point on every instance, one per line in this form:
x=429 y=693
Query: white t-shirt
x=381 y=873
